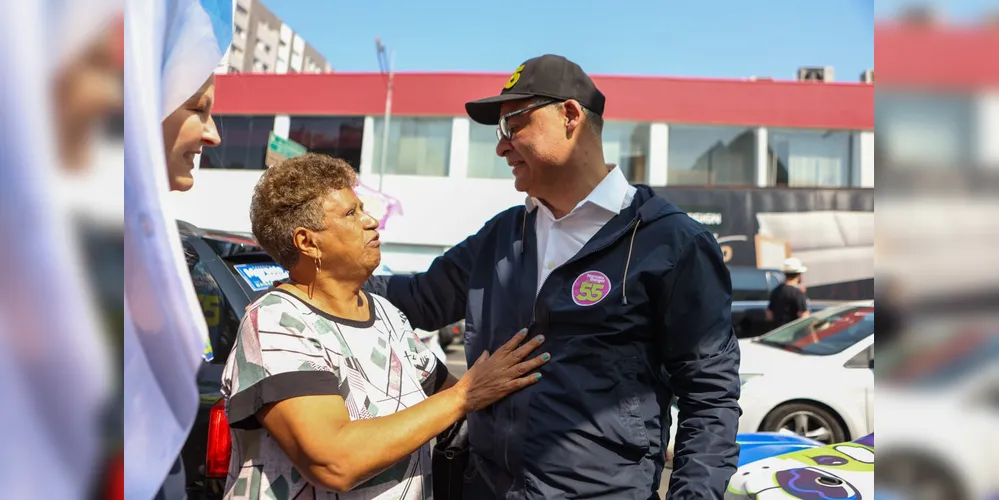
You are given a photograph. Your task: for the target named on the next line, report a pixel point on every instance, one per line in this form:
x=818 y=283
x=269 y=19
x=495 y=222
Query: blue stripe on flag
x=220 y=12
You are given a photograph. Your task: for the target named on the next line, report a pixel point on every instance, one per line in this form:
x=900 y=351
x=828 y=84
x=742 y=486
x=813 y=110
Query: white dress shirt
x=560 y=239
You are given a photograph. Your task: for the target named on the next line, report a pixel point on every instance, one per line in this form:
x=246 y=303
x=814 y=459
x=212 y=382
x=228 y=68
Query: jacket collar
x=609 y=194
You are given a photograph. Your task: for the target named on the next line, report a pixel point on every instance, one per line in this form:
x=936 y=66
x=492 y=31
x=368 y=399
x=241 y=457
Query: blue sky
x=697 y=38
x=701 y=38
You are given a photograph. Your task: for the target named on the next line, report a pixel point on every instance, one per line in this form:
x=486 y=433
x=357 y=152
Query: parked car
x=750 y=284
x=813 y=377
x=942 y=393
x=228 y=270
x=452 y=333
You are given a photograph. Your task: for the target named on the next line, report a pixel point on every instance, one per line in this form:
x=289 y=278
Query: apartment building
x=262 y=43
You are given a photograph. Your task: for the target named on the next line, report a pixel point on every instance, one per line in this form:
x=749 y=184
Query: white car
x=939 y=410
x=813 y=377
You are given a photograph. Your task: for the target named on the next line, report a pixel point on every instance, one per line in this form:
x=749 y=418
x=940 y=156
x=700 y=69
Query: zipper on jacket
x=534 y=314
x=577 y=257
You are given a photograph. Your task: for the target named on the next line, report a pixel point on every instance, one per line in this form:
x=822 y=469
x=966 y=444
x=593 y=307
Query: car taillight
x=455 y=330
x=116 y=479
x=219 y=442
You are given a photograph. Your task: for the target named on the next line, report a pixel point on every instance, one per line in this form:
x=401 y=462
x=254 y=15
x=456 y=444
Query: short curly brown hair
x=290 y=195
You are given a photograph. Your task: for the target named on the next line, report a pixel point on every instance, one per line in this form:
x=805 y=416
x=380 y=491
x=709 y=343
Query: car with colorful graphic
x=755 y=446
x=839 y=471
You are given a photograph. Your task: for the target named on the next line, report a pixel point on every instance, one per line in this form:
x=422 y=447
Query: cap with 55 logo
x=546 y=76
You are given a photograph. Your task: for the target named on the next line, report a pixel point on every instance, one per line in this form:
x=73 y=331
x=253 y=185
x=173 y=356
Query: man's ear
x=305 y=241
x=573 y=113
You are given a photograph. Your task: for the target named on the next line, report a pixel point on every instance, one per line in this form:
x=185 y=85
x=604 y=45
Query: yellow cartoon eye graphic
x=514 y=78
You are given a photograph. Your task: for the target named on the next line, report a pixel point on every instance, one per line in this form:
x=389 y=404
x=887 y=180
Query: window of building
x=263 y=47
x=711 y=156
x=244 y=142
x=925 y=129
x=238 y=30
x=337 y=136
x=241 y=10
x=482 y=160
x=416 y=145
x=626 y=144
x=809 y=158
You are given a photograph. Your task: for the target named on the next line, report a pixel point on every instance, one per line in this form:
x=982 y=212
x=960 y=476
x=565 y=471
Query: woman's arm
x=339 y=454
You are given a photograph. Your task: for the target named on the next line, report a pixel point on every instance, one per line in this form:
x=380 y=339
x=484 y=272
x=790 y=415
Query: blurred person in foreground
x=632 y=295
x=171 y=48
x=54 y=404
x=328 y=390
x=788 y=301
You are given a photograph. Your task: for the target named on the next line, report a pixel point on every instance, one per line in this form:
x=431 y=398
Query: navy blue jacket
x=653 y=321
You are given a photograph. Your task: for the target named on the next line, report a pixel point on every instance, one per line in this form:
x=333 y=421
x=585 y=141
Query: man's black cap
x=545 y=76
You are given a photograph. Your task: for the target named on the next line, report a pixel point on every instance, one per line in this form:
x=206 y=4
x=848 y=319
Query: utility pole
x=386 y=59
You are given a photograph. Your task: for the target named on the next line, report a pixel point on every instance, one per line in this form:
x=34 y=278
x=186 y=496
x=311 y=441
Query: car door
x=859 y=373
x=216 y=294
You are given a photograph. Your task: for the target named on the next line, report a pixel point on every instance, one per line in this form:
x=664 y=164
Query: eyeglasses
x=503 y=129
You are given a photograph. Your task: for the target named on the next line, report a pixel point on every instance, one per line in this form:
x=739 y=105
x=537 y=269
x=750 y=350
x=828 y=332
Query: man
x=788 y=301
x=632 y=295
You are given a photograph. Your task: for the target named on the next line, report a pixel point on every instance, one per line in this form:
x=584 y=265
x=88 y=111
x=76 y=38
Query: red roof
x=674 y=100
x=961 y=58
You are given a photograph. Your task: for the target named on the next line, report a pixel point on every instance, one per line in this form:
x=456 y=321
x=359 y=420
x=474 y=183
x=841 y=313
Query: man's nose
x=210 y=136
x=503 y=147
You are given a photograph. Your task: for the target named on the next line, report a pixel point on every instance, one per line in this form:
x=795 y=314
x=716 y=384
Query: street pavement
x=457 y=366
x=456 y=359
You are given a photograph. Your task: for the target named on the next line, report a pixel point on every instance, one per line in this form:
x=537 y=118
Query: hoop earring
x=312 y=286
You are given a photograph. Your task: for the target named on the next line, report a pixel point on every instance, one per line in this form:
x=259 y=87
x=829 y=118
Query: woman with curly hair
x=328 y=390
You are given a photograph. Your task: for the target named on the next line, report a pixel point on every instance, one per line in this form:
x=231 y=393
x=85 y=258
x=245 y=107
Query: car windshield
x=829 y=331
x=230 y=246
x=940 y=361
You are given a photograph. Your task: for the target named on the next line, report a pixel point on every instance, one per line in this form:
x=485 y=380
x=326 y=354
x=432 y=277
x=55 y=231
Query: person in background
x=632 y=294
x=328 y=391
x=788 y=301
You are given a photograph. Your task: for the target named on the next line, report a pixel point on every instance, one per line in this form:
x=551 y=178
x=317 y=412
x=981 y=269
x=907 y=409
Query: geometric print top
x=286 y=348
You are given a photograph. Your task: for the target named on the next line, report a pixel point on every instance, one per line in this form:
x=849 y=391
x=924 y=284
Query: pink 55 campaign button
x=590 y=288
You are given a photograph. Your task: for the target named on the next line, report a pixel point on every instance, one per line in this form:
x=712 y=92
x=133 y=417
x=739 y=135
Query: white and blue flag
x=55 y=375
x=171 y=48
